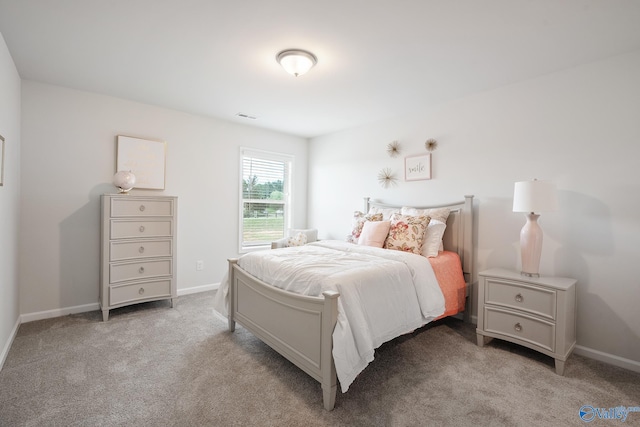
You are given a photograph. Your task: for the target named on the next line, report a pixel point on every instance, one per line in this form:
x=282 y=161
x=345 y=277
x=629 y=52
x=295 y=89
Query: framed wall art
x=1 y=160
x=145 y=158
x=417 y=167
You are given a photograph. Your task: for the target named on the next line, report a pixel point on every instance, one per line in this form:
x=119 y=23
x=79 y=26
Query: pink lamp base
x=531 y=246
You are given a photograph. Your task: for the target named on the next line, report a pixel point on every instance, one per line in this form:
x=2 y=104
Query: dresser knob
x=517 y=327
x=141 y=250
x=141 y=291
x=142 y=228
x=142 y=208
x=519 y=298
x=141 y=270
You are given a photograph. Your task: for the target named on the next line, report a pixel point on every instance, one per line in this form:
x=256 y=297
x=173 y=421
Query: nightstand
x=536 y=312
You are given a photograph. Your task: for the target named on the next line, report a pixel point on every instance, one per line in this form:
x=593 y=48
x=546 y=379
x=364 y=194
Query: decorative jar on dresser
x=138 y=252
x=536 y=312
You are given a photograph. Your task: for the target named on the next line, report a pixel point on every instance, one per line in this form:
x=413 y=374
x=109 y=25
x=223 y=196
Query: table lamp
x=533 y=197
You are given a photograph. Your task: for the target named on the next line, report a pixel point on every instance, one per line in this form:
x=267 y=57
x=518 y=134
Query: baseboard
x=7 y=346
x=197 y=289
x=40 y=315
x=601 y=356
x=610 y=359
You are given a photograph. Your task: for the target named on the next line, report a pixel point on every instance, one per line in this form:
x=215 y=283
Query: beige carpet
x=151 y=365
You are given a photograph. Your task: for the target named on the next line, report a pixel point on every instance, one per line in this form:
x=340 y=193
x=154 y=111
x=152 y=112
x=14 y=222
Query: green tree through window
x=265 y=197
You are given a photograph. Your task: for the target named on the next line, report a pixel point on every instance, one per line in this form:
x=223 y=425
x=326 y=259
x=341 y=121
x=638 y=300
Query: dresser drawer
x=126 y=250
x=521 y=296
x=141 y=207
x=120 y=272
x=120 y=294
x=123 y=229
x=520 y=326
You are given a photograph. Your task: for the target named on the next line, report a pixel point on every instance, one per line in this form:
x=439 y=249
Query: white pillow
x=433 y=238
x=386 y=212
x=440 y=214
x=374 y=233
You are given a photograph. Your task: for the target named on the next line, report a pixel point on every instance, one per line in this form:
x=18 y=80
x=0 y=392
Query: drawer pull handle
x=142 y=208
x=142 y=229
x=141 y=250
x=141 y=270
x=141 y=291
x=517 y=327
x=519 y=298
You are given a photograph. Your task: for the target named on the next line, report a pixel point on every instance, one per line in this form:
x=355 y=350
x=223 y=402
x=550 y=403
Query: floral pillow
x=298 y=239
x=406 y=233
x=359 y=219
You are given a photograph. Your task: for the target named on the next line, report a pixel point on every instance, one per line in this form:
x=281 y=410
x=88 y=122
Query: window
x=265 y=197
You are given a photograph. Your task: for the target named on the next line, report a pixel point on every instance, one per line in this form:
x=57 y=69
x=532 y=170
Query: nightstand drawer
x=139 y=291
x=520 y=326
x=141 y=207
x=139 y=270
x=123 y=250
x=123 y=229
x=520 y=296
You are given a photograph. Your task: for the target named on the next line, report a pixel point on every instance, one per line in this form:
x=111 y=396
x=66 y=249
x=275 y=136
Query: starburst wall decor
x=393 y=149
x=386 y=177
x=431 y=144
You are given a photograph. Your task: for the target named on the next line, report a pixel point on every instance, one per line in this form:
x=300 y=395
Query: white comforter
x=383 y=293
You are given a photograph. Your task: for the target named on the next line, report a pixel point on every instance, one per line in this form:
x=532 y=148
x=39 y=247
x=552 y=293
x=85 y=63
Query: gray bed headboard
x=458 y=236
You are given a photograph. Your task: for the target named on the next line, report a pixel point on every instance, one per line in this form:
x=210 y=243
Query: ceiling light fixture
x=296 y=61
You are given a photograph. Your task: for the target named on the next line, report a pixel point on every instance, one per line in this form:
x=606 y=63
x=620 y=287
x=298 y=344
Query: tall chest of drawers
x=536 y=312
x=138 y=251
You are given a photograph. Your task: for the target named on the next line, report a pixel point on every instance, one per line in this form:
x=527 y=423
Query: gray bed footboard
x=298 y=327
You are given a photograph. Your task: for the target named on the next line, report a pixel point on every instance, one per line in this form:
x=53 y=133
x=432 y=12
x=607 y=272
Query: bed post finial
x=366 y=205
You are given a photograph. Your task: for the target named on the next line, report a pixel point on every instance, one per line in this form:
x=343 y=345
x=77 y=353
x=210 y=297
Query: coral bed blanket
x=448 y=270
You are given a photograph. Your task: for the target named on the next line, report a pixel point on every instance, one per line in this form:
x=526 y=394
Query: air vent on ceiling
x=246 y=116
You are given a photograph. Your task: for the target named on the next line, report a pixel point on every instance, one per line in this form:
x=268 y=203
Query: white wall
x=68 y=160
x=9 y=200
x=579 y=128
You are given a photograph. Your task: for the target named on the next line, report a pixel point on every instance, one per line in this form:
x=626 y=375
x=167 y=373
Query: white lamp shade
x=535 y=196
x=296 y=62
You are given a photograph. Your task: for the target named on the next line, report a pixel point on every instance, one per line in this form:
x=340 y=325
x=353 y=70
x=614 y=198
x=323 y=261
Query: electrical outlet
x=199 y=265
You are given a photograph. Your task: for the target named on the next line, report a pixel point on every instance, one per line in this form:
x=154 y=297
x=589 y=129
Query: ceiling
x=376 y=58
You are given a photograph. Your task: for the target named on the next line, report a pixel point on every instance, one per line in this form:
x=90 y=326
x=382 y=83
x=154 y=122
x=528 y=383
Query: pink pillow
x=374 y=233
x=359 y=219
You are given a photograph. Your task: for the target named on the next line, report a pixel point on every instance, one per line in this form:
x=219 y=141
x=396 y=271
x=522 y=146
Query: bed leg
x=327 y=366
x=329 y=396
x=232 y=282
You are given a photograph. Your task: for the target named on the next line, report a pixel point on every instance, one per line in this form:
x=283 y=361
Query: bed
x=309 y=330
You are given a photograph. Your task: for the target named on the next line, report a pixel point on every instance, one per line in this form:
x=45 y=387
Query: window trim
x=288 y=159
